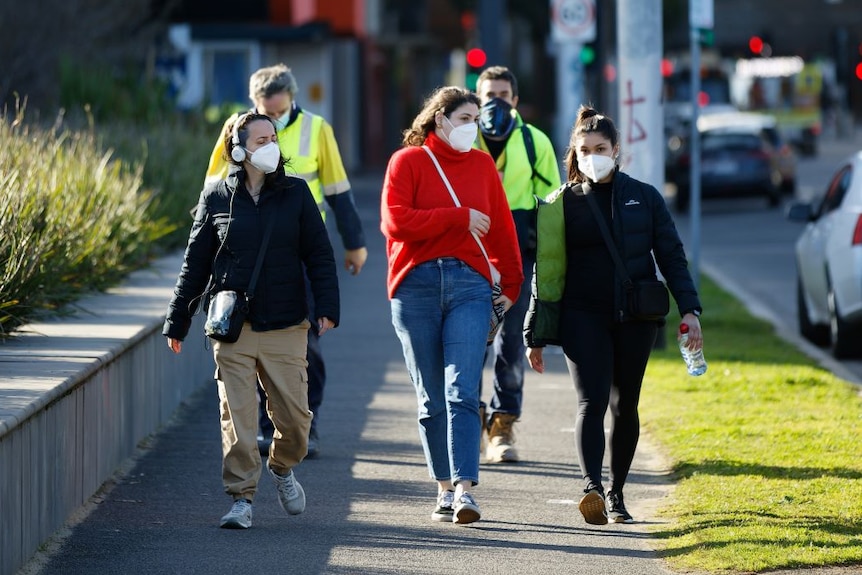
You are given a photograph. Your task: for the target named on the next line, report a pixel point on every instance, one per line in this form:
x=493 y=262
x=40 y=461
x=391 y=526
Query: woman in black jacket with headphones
x=231 y=223
x=579 y=300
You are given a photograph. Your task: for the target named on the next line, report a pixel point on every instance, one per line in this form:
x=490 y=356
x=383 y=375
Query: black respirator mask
x=496 y=118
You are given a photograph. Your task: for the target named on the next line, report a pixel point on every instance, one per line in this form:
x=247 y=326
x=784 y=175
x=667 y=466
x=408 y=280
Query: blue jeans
x=441 y=312
x=508 y=352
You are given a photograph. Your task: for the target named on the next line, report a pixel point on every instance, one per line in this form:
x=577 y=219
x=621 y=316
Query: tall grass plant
x=81 y=207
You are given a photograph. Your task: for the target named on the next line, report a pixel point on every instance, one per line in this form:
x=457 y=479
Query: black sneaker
x=592 y=507
x=617 y=509
x=263 y=444
x=445 y=507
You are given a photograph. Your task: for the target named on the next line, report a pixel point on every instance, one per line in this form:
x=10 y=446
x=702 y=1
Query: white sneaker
x=239 y=516
x=291 y=496
x=466 y=510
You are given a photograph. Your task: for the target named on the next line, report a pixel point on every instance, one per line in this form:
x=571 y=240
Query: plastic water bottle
x=694 y=360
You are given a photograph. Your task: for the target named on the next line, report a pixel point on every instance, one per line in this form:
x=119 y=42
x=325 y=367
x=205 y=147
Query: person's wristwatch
x=694 y=312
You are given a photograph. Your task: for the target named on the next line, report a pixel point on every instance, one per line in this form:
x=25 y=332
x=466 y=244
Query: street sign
x=573 y=20
x=701 y=14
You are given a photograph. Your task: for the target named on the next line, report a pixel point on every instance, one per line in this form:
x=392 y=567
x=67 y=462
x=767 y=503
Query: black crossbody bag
x=645 y=300
x=228 y=308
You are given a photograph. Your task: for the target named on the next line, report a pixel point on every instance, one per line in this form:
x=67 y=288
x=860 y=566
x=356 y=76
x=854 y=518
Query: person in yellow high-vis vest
x=308 y=143
x=529 y=169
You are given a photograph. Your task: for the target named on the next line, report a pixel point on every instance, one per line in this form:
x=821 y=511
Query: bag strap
x=606 y=234
x=530 y=145
x=495 y=274
x=259 y=263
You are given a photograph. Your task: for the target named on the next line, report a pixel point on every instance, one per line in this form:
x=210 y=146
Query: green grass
x=766 y=448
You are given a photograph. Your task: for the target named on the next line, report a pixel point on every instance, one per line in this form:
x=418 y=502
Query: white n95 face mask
x=266 y=158
x=462 y=137
x=596 y=167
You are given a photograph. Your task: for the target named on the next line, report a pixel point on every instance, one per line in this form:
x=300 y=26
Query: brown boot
x=501 y=439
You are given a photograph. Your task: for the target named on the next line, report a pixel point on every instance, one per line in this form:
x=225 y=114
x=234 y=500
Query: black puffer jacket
x=223 y=247
x=642 y=228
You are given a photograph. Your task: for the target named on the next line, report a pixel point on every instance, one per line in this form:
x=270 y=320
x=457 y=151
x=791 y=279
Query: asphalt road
x=369 y=496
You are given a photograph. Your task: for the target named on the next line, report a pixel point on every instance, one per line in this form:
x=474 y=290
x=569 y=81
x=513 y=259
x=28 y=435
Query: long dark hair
x=446 y=99
x=589 y=121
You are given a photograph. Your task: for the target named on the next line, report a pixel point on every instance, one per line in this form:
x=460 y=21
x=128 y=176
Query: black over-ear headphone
x=237 y=152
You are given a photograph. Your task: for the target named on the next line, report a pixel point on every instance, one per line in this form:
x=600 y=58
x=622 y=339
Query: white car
x=829 y=263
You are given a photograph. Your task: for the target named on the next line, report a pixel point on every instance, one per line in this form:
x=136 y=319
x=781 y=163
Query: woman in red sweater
x=440 y=282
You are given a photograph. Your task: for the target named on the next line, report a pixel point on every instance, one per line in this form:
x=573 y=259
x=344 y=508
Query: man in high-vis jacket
x=308 y=143
x=529 y=169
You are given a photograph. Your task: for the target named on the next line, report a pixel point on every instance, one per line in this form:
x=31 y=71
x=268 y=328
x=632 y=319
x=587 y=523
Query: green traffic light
x=471 y=80
x=588 y=55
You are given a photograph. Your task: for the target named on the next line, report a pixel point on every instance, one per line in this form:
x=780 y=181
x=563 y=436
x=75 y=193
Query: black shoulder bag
x=228 y=310
x=645 y=300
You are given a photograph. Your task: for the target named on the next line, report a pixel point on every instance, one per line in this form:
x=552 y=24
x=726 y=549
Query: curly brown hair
x=446 y=99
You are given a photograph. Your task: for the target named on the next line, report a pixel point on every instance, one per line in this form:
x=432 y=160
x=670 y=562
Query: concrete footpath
x=369 y=495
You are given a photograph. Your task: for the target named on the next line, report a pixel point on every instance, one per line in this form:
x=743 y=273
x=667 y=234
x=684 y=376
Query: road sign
x=573 y=20
x=701 y=14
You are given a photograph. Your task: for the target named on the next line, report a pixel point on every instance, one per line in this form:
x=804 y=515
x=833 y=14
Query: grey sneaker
x=239 y=516
x=466 y=510
x=445 y=507
x=291 y=496
x=592 y=507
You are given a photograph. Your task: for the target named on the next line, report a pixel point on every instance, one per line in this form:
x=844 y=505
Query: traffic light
x=476 y=59
x=760 y=46
x=858 y=69
x=706 y=36
x=755 y=44
x=588 y=55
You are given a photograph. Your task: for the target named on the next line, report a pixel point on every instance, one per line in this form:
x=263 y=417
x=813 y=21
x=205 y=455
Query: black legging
x=607 y=361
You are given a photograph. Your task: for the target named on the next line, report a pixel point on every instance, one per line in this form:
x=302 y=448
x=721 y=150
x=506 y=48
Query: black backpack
x=531 y=153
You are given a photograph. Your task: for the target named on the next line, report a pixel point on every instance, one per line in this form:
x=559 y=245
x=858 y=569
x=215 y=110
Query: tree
x=39 y=34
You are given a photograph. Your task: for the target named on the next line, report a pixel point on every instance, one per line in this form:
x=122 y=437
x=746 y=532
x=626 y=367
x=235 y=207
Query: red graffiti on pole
x=635 y=131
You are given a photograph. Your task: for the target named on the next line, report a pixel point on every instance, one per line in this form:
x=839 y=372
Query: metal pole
x=490 y=31
x=641 y=123
x=694 y=149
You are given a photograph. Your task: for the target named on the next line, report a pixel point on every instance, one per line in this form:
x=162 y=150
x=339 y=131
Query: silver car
x=829 y=263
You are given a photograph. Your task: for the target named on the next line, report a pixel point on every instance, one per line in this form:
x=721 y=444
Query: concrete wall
x=78 y=395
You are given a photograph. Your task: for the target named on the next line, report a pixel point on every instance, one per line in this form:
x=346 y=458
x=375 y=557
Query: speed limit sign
x=573 y=20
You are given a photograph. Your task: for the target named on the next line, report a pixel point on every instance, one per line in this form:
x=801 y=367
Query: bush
x=78 y=211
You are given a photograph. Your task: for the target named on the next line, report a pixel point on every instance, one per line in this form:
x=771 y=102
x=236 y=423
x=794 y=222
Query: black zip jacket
x=223 y=247
x=643 y=232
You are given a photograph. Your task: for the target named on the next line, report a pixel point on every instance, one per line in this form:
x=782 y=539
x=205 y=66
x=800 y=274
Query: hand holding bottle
x=691 y=350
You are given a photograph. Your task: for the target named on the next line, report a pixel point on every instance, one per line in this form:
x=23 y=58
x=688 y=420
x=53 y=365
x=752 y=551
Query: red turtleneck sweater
x=421 y=222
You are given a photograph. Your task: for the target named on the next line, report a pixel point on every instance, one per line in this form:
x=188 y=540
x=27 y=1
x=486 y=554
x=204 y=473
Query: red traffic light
x=476 y=57
x=666 y=67
x=859 y=70
x=755 y=44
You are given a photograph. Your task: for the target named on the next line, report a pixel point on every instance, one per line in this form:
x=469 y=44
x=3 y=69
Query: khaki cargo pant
x=277 y=358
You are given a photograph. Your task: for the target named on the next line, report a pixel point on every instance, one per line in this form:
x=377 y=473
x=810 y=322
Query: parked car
x=829 y=263
x=741 y=155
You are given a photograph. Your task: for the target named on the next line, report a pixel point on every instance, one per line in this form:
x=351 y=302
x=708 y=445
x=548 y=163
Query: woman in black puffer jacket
x=232 y=218
x=579 y=302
